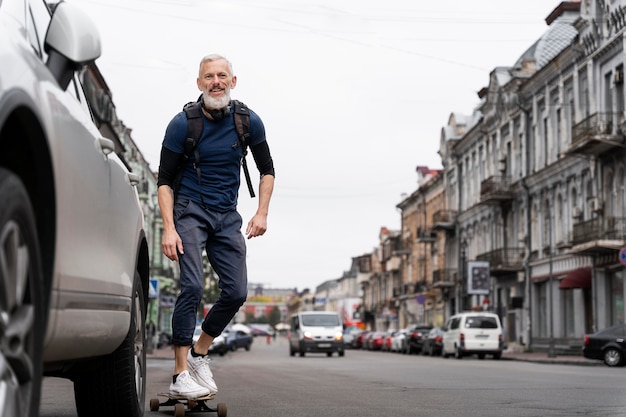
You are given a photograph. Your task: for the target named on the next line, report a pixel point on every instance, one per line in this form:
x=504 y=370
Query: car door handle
x=134 y=178
x=107 y=145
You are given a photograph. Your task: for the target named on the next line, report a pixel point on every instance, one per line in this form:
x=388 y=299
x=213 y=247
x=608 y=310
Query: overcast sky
x=353 y=94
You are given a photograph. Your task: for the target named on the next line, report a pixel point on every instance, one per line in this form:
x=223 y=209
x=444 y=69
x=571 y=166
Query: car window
x=320 y=320
x=454 y=323
x=481 y=322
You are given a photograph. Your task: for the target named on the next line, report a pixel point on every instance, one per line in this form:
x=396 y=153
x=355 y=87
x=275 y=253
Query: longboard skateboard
x=182 y=404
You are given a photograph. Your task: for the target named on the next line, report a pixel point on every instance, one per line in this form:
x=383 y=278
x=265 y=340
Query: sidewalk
x=542 y=357
x=536 y=357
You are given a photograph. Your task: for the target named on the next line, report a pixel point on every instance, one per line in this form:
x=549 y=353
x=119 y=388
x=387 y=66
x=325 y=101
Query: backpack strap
x=195 y=125
x=242 y=124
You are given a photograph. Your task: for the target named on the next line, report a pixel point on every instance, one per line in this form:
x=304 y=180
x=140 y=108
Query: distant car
x=414 y=337
x=359 y=340
x=349 y=335
x=608 y=345
x=375 y=341
x=230 y=341
x=239 y=340
x=398 y=341
x=388 y=339
x=432 y=343
x=74 y=264
x=470 y=333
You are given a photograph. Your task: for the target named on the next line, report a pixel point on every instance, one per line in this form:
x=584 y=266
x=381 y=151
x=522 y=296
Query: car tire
x=613 y=357
x=21 y=302
x=248 y=347
x=458 y=354
x=117 y=386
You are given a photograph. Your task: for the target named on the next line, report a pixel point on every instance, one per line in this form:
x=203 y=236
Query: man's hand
x=172 y=244
x=256 y=226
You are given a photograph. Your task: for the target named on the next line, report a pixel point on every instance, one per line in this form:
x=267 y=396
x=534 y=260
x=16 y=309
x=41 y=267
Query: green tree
x=274 y=318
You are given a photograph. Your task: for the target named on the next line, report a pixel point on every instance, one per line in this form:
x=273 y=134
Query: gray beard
x=212 y=103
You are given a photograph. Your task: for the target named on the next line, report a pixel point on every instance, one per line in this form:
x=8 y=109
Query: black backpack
x=195 y=124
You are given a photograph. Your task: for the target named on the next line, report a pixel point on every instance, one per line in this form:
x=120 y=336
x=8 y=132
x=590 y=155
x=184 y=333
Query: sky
x=353 y=95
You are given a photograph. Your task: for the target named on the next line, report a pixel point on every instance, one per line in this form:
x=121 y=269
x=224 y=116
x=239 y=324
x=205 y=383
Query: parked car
x=359 y=340
x=231 y=340
x=471 y=333
x=75 y=267
x=349 y=334
x=239 y=340
x=387 y=340
x=432 y=342
x=608 y=345
x=375 y=341
x=398 y=341
x=414 y=337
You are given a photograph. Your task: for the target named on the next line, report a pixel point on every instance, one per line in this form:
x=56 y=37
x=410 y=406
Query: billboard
x=478 y=277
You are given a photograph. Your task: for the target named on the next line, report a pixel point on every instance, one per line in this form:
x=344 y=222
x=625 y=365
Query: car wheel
x=342 y=353
x=497 y=356
x=22 y=303
x=613 y=357
x=117 y=386
x=481 y=356
x=248 y=347
x=458 y=354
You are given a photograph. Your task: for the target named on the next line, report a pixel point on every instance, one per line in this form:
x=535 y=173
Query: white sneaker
x=199 y=369
x=187 y=387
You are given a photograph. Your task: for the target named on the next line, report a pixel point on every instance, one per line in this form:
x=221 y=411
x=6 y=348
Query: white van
x=471 y=333
x=316 y=332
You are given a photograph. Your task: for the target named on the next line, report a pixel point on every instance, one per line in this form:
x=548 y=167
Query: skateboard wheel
x=179 y=410
x=191 y=404
x=221 y=410
x=154 y=404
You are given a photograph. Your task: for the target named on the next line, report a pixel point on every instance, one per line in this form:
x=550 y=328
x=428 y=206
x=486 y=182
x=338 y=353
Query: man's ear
x=233 y=82
x=198 y=84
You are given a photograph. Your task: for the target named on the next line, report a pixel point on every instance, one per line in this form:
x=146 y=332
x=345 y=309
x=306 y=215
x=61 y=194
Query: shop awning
x=578 y=278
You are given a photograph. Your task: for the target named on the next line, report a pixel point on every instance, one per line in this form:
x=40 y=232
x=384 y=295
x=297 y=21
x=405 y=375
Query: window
x=481 y=322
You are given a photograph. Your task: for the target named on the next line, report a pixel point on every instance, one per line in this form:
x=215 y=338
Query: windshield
x=325 y=320
x=481 y=322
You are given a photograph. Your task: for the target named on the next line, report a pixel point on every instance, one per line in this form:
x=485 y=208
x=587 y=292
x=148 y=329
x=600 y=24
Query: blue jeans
x=220 y=235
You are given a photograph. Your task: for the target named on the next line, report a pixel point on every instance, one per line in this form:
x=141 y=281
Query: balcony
x=496 y=189
x=444 y=278
x=599 y=235
x=503 y=261
x=444 y=220
x=597 y=134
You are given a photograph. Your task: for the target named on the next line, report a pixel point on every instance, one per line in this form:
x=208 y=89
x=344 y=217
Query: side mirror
x=72 y=41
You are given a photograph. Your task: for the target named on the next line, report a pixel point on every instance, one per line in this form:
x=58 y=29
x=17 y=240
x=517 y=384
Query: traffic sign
x=153 y=290
x=622 y=256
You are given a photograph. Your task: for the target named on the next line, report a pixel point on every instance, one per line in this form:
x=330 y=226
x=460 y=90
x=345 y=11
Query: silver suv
x=73 y=254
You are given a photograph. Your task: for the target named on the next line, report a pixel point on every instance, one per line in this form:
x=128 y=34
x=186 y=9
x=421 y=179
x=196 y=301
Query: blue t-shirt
x=220 y=159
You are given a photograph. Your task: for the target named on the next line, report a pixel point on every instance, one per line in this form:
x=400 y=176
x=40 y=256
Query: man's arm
x=171 y=243
x=258 y=224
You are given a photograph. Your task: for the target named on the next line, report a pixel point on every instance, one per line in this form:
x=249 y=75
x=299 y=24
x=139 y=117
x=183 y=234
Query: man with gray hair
x=202 y=216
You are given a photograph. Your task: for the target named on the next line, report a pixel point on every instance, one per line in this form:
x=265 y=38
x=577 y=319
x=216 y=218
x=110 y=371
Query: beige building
x=528 y=215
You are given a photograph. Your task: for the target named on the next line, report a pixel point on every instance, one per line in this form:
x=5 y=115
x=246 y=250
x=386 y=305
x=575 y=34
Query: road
x=267 y=382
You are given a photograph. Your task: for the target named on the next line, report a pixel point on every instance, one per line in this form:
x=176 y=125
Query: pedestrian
x=202 y=216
